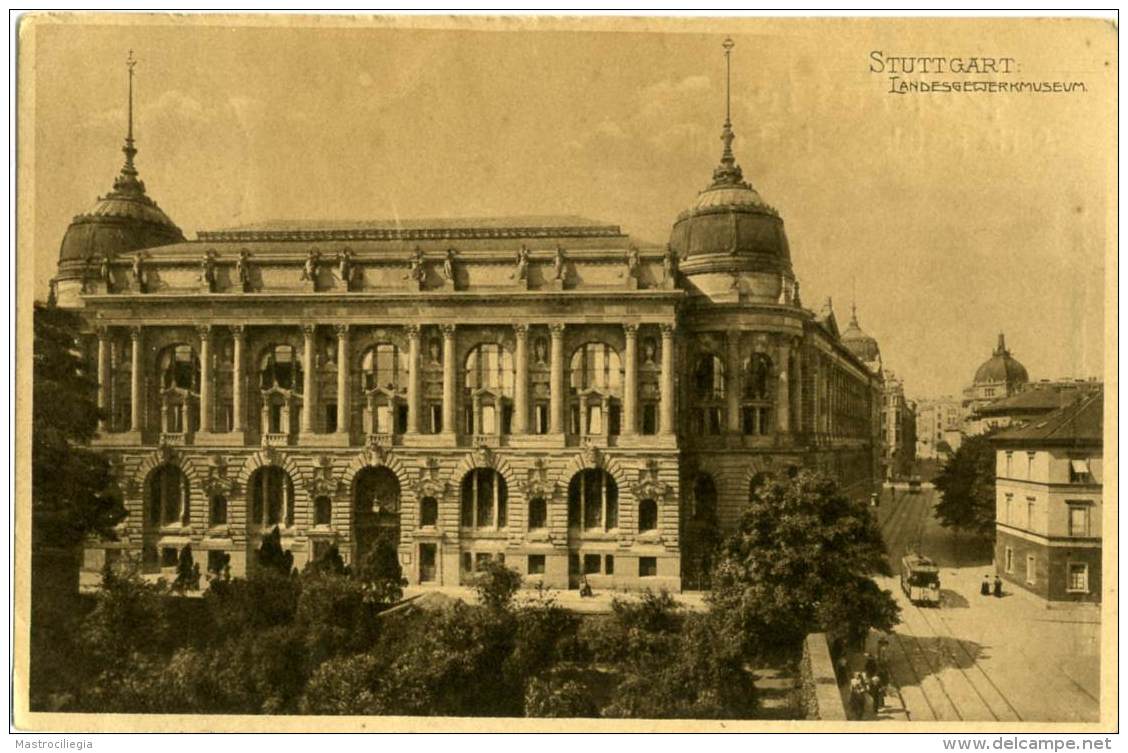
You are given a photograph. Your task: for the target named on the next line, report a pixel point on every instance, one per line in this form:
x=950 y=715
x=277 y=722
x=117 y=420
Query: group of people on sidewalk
x=985 y=588
x=870 y=683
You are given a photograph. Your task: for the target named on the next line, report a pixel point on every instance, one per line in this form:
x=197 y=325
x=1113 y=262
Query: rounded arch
x=708 y=377
x=376 y=459
x=586 y=460
x=593 y=500
x=269 y=457
x=486 y=459
x=168 y=496
x=755 y=472
x=178 y=367
x=595 y=365
x=279 y=365
x=376 y=498
x=165 y=456
x=384 y=365
x=489 y=366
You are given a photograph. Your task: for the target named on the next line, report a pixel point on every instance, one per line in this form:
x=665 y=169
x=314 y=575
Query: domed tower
x=730 y=244
x=1001 y=369
x=860 y=344
x=999 y=376
x=122 y=221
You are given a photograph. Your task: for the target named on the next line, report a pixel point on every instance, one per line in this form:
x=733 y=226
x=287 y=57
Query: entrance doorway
x=376 y=510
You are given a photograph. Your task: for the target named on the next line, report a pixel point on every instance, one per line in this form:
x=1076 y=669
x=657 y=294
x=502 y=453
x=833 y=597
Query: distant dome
x=858 y=342
x=1001 y=367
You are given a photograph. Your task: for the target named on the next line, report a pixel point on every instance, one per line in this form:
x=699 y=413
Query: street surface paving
x=981 y=658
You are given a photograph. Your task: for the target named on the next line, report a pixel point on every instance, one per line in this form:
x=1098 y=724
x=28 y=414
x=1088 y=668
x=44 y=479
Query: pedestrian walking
x=985 y=587
x=998 y=587
x=858 y=696
x=877 y=692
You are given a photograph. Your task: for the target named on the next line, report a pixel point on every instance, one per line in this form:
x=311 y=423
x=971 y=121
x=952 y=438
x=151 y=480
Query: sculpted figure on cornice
x=558 y=263
x=243 y=271
x=207 y=270
x=522 y=270
x=415 y=266
x=309 y=270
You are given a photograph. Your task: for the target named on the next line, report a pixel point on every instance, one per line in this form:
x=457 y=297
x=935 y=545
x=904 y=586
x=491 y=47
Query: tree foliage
x=380 y=572
x=967 y=488
x=271 y=555
x=801 y=557
x=497 y=584
x=71 y=494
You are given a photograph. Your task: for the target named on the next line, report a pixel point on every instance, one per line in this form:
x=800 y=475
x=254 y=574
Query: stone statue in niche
x=540 y=350
x=243 y=271
x=207 y=271
x=649 y=349
x=522 y=270
x=435 y=350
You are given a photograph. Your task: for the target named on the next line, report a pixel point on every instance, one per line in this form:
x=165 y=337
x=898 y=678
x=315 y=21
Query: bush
x=271 y=555
x=559 y=697
x=496 y=585
x=380 y=572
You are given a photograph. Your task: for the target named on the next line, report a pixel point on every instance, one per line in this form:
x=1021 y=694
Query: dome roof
x=123 y=220
x=730 y=227
x=858 y=342
x=1001 y=367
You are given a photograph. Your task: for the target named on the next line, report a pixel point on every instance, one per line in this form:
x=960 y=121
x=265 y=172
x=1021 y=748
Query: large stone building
x=547 y=390
x=999 y=376
x=898 y=429
x=1048 y=486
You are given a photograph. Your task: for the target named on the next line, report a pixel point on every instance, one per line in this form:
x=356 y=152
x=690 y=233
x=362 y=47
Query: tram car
x=920 y=579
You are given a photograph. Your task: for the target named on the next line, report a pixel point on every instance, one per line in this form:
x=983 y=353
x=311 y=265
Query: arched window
x=709 y=395
x=168 y=497
x=756 y=405
x=428 y=511
x=538 y=513
x=218 y=511
x=385 y=371
x=179 y=368
x=376 y=509
x=489 y=383
x=272 y=497
x=704 y=498
x=322 y=511
x=485 y=499
x=596 y=382
x=490 y=367
x=596 y=366
x=647 y=515
x=593 y=500
x=281 y=367
x=385 y=367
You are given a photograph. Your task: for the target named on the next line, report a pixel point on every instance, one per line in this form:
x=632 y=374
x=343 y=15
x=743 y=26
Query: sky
x=948 y=218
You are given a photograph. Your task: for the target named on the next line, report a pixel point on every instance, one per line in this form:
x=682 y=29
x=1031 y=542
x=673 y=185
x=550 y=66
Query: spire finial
x=728 y=171
x=127 y=181
x=1002 y=347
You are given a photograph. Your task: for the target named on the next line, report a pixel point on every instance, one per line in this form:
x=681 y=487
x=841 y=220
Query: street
x=981 y=658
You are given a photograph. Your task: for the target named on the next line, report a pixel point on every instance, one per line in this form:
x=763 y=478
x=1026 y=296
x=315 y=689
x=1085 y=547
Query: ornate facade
x=547 y=390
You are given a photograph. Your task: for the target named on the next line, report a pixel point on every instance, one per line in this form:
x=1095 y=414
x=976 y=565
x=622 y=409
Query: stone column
x=344 y=397
x=103 y=378
x=309 y=384
x=238 y=335
x=207 y=410
x=630 y=381
x=521 y=385
x=797 y=390
x=783 y=393
x=113 y=398
x=448 y=379
x=413 y=402
x=667 y=384
x=733 y=382
x=556 y=380
x=137 y=343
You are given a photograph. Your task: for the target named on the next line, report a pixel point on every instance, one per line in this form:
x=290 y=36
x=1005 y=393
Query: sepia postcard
x=538 y=373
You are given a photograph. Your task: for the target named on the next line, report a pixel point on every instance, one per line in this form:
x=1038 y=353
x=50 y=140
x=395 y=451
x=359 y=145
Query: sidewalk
x=894 y=709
